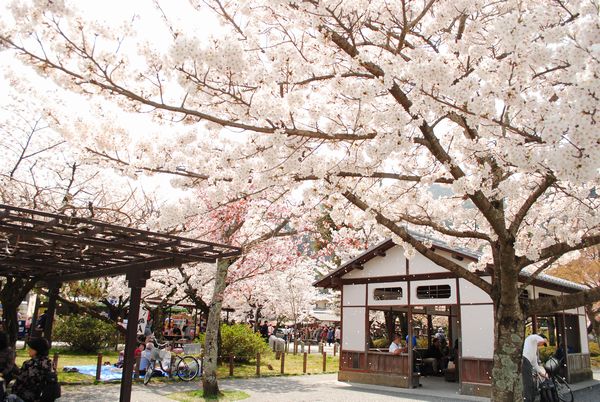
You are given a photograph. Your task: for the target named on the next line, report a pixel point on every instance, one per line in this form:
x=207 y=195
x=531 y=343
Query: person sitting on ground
x=33 y=375
x=531 y=364
x=395 y=347
x=7 y=358
x=434 y=356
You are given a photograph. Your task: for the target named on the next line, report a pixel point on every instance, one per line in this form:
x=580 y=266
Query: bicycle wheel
x=562 y=388
x=148 y=374
x=187 y=368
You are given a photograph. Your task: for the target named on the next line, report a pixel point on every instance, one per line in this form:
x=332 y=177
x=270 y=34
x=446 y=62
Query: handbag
x=51 y=390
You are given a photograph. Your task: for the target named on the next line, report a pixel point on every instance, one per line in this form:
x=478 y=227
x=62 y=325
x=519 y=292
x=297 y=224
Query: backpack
x=548 y=392
x=51 y=390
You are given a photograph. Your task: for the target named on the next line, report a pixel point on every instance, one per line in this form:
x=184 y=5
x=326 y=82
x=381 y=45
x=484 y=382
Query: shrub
x=83 y=333
x=240 y=341
x=381 y=343
x=594 y=349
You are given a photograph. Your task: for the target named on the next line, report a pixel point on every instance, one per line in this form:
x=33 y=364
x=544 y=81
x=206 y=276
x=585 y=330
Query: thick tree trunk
x=210 y=385
x=10 y=316
x=13 y=292
x=509 y=330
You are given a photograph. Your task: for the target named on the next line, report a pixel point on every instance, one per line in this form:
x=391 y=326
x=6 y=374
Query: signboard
x=21 y=330
x=142 y=320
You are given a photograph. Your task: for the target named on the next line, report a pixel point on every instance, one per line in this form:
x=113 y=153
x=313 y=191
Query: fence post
x=301 y=346
x=335 y=346
x=304 y=362
x=99 y=367
x=324 y=361
x=258 y=364
x=282 y=362
x=308 y=347
x=230 y=365
x=55 y=361
x=295 y=347
x=136 y=368
x=320 y=347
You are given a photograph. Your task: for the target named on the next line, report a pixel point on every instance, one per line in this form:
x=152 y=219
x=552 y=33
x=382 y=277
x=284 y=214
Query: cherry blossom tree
x=368 y=104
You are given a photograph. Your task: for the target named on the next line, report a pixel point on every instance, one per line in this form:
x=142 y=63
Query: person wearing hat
x=33 y=375
x=531 y=364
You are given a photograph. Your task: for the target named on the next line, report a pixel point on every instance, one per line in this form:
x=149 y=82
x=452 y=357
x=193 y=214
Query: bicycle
x=186 y=367
x=563 y=390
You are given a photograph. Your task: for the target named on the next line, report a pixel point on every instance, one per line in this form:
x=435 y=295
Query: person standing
x=330 y=336
x=338 y=335
x=531 y=365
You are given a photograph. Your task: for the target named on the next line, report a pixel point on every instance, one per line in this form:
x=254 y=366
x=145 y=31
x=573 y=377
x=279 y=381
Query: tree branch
x=419 y=246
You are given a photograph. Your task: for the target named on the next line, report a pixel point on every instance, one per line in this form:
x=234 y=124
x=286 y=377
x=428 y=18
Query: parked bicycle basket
x=192 y=348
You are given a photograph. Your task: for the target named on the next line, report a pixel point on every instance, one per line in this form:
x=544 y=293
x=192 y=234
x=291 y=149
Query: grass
x=293 y=365
x=194 y=396
x=68 y=358
x=269 y=366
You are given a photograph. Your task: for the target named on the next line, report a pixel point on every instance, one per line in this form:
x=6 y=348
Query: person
x=338 y=335
x=176 y=331
x=7 y=358
x=40 y=326
x=441 y=337
x=264 y=330
x=34 y=374
x=395 y=347
x=330 y=334
x=434 y=356
x=414 y=342
x=145 y=357
x=530 y=364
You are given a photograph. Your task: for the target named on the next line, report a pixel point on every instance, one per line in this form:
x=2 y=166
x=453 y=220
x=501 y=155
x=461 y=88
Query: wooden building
x=383 y=281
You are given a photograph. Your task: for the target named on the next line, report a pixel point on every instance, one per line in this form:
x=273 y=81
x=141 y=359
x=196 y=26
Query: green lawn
x=68 y=358
x=269 y=365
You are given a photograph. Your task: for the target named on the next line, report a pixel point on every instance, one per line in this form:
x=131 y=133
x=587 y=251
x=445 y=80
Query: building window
x=387 y=294
x=433 y=292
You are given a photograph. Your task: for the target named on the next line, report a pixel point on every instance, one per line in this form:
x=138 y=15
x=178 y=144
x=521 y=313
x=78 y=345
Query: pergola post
x=136 y=281
x=53 y=291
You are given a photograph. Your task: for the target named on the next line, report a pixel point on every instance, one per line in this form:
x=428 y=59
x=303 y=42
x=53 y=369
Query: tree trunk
x=209 y=376
x=509 y=332
x=10 y=316
x=12 y=294
x=509 y=329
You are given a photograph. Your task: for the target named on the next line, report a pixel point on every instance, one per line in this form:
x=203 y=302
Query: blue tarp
x=108 y=373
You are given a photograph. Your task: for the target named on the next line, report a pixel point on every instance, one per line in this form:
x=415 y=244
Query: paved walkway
x=322 y=387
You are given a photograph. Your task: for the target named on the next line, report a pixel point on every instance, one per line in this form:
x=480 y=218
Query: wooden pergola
x=53 y=249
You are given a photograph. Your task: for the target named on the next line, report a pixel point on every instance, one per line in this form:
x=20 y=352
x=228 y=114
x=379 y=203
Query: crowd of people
x=437 y=356
x=314 y=333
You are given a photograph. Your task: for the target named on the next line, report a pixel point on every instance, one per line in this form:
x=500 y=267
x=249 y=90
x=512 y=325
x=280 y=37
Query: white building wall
x=431 y=282
x=583 y=339
x=353 y=329
x=401 y=302
x=477 y=331
x=394 y=263
x=421 y=265
x=354 y=295
x=470 y=293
